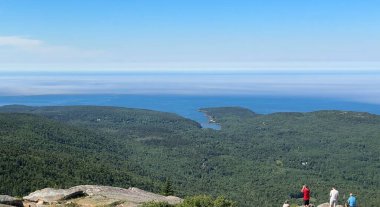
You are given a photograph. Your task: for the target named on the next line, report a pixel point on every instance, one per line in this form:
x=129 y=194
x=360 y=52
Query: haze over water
x=325 y=52
x=355 y=86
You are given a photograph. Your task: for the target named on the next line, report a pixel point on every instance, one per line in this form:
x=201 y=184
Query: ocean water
x=188 y=106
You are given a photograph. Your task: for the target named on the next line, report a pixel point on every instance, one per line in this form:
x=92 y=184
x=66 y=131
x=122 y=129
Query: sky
x=147 y=35
x=321 y=48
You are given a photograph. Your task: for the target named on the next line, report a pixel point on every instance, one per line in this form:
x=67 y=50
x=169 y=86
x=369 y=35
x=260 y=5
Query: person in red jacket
x=306 y=195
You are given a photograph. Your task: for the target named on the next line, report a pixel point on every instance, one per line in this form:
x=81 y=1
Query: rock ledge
x=95 y=195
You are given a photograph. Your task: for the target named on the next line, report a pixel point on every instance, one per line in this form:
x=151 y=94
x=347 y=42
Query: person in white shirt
x=333 y=197
x=286 y=204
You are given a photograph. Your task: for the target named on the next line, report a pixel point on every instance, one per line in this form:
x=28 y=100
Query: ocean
x=188 y=105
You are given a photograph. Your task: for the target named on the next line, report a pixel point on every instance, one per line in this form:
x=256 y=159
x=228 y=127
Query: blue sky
x=144 y=35
x=317 y=48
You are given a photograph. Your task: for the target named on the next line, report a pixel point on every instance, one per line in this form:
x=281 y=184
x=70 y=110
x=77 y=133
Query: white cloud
x=19 y=42
x=16 y=52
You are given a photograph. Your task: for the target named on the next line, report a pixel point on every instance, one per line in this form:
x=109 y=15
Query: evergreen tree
x=167 y=189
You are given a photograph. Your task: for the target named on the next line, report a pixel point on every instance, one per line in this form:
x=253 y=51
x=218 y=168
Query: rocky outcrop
x=4 y=205
x=6 y=200
x=94 y=195
x=327 y=205
x=49 y=195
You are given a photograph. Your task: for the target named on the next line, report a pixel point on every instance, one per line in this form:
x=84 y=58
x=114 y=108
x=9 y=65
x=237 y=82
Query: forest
x=254 y=158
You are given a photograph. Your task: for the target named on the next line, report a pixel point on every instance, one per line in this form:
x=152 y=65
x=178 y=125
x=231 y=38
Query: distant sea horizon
x=188 y=105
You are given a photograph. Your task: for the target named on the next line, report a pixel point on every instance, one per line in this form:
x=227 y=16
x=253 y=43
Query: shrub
x=207 y=201
x=157 y=204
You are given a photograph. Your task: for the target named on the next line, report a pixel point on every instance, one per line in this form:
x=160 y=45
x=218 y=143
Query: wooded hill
x=253 y=159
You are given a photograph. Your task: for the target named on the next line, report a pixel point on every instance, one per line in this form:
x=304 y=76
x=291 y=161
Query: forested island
x=254 y=158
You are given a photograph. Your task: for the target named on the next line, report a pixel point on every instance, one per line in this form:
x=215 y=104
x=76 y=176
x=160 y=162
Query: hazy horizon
x=322 y=49
x=353 y=86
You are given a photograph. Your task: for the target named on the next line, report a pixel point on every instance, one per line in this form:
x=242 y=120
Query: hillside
x=252 y=158
x=37 y=152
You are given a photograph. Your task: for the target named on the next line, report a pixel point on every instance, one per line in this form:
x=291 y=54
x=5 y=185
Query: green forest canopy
x=254 y=158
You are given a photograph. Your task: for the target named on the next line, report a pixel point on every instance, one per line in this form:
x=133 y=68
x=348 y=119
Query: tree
x=167 y=189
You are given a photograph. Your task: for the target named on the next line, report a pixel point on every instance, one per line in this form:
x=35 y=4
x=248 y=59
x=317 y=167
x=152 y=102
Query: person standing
x=306 y=195
x=352 y=201
x=333 y=197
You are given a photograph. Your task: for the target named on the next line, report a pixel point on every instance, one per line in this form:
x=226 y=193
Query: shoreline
x=213 y=124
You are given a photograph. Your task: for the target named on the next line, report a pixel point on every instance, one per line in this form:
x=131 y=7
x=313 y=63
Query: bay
x=188 y=105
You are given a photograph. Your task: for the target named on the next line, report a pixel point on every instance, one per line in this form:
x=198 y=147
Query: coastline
x=212 y=123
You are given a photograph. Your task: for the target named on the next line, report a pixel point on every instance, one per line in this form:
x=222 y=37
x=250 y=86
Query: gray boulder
x=94 y=195
x=49 y=195
x=3 y=205
x=9 y=200
x=131 y=195
x=327 y=205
